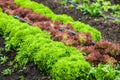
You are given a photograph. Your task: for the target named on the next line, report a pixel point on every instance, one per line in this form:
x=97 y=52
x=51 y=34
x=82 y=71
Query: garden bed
x=10 y=72
x=50 y=56
x=109 y=28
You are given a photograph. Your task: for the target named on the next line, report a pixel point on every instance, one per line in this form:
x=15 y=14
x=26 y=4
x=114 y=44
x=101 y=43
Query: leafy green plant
x=115 y=8
x=103 y=72
x=93 y=9
x=116 y=14
x=3 y=59
x=11 y=63
x=1 y=49
x=7 y=71
x=86 y=1
x=70 y=68
x=76 y=1
x=47 y=59
x=99 y=1
x=21 y=77
x=80 y=27
x=63 y=3
x=1 y=32
x=0 y=55
x=106 y=5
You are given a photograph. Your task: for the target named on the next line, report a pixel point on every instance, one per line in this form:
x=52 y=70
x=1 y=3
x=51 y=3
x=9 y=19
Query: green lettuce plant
x=70 y=68
x=103 y=72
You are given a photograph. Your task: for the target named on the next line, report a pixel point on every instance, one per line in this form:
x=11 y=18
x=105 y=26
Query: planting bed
x=110 y=30
x=30 y=72
x=38 y=47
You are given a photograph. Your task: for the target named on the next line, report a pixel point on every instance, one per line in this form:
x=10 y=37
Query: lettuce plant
x=103 y=72
x=70 y=68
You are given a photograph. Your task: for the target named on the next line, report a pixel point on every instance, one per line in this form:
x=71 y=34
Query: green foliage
x=106 y=5
x=11 y=63
x=1 y=49
x=86 y=1
x=39 y=8
x=20 y=35
x=30 y=47
x=81 y=27
x=47 y=59
x=116 y=14
x=98 y=7
x=16 y=34
x=0 y=55
x=115 y=8
x=7 y=71
x=76 y=1
x=99 y=1
x=50 y=54
x=103 y=72
x=62 y=18
x=1 y=31
x=3 y=59
x=70 y=68
x=93 y=9
x=63 y=2
x=21 y=77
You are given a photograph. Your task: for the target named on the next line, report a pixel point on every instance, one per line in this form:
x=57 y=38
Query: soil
x=30 y=72
x=109 y=29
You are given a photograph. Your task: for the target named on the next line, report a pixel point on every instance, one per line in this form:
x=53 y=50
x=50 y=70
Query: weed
x=7 y=71
x=11 y=63
x=3 y=59
x=21 y=78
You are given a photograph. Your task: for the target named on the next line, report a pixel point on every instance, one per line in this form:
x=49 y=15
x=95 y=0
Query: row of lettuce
x=67 y=64
x=52 y=57
x=101 y=52
x=41 y=9
x=95 y=7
